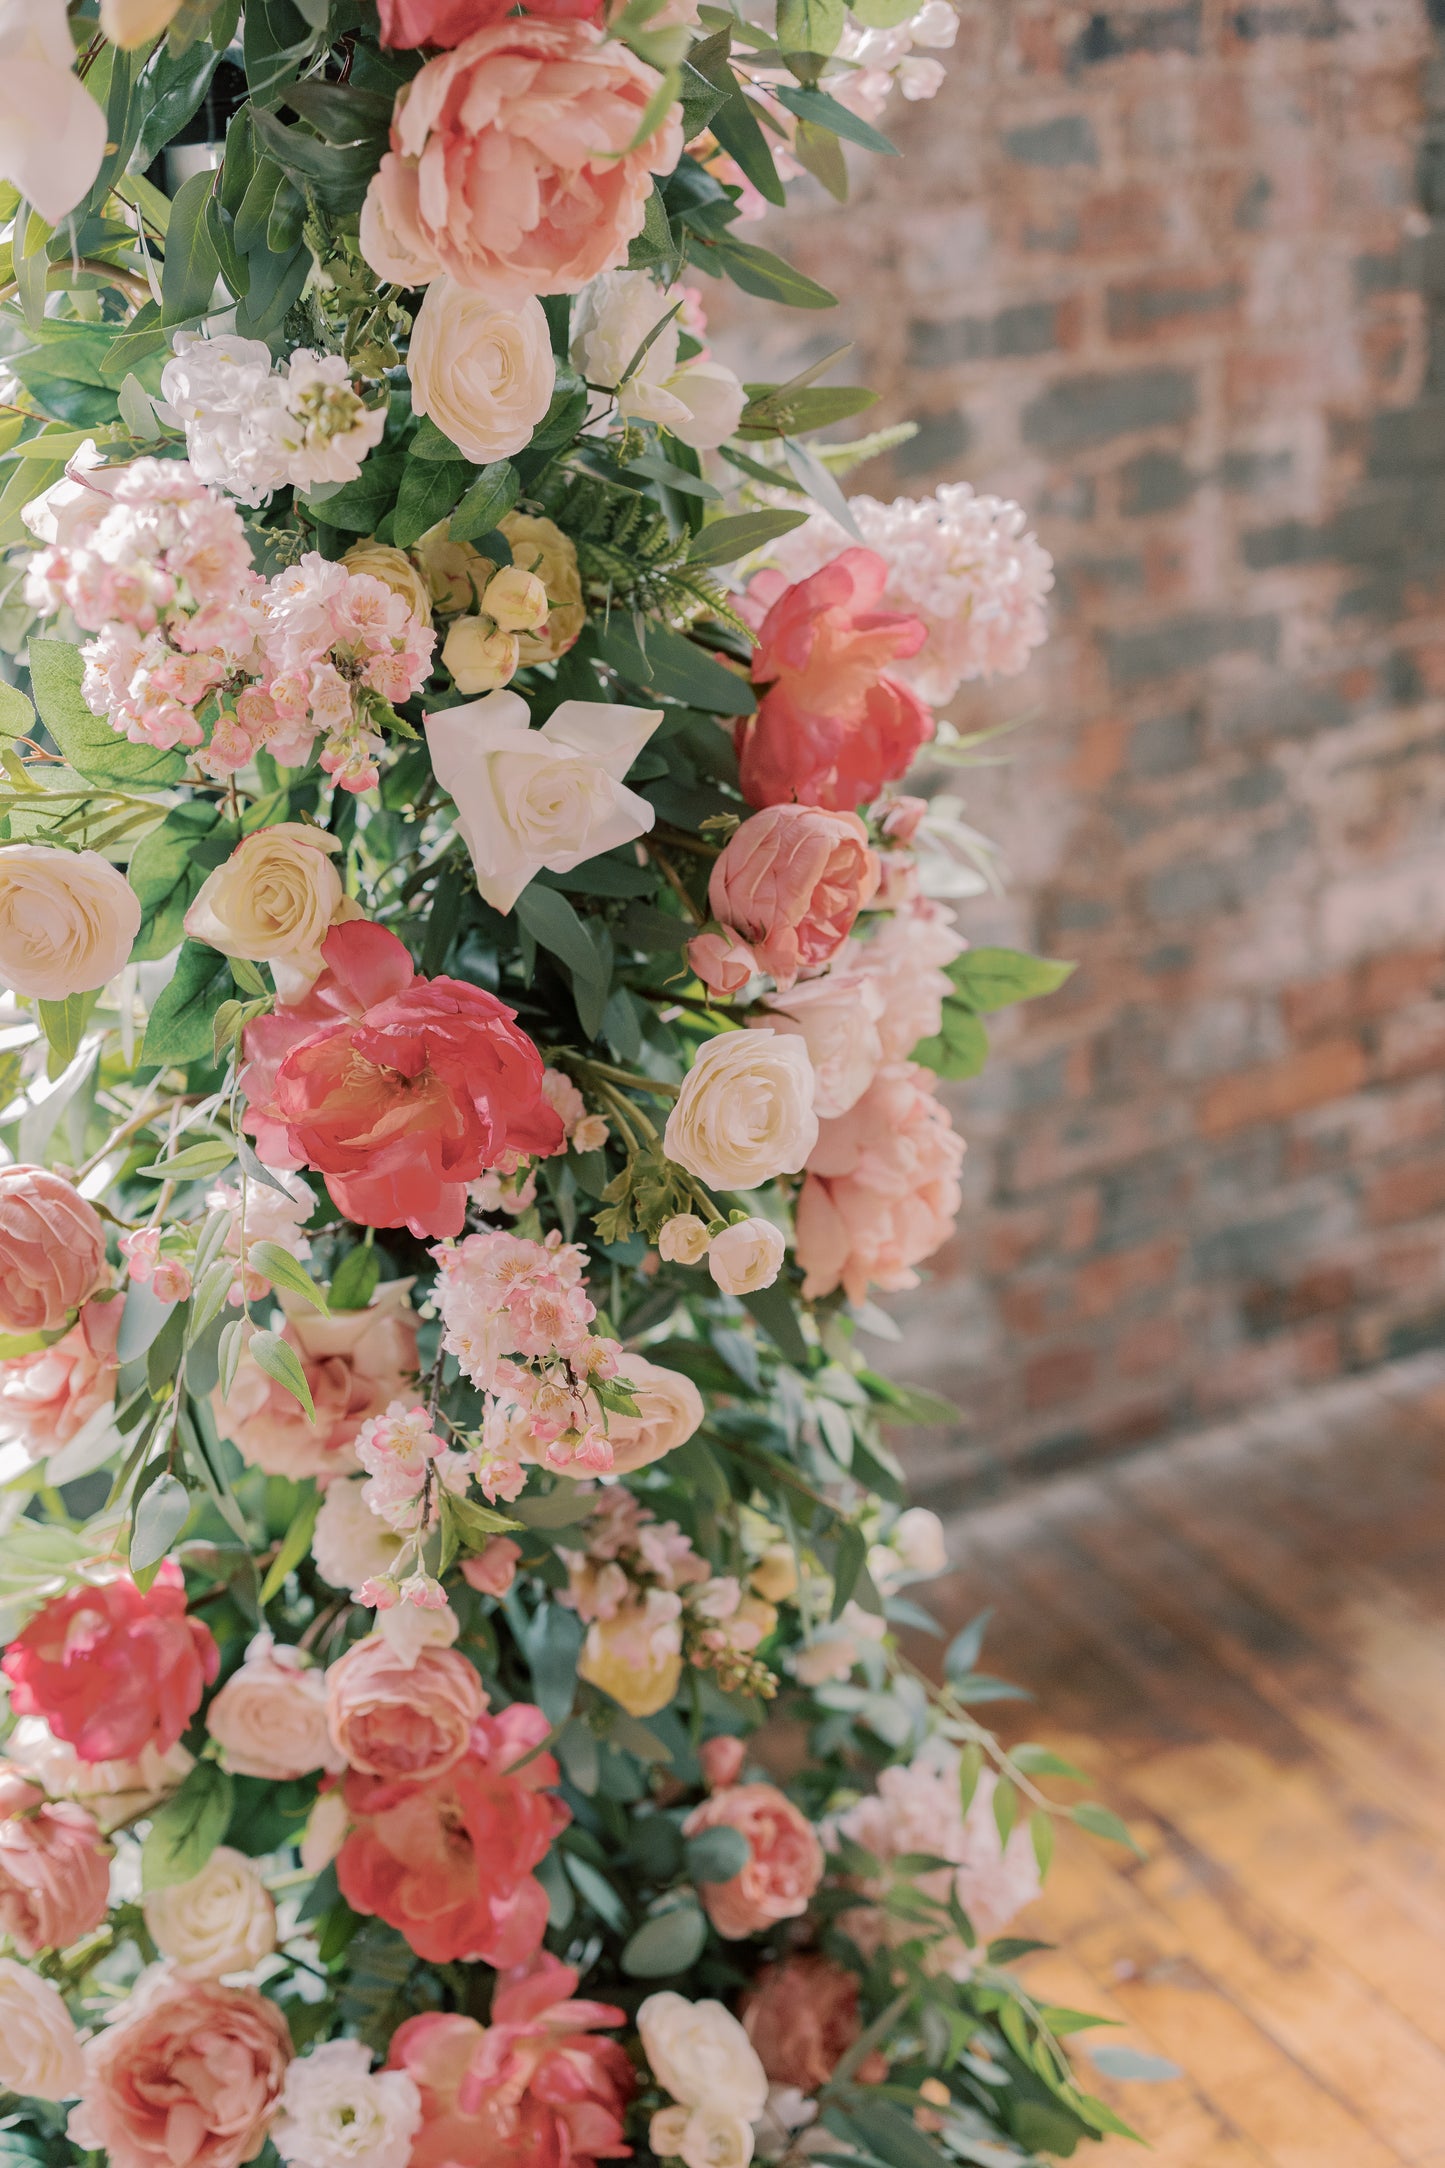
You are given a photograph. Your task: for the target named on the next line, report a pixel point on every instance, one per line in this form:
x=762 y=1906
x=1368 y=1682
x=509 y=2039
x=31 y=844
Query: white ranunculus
x=482 y=369
x=274 y=901
x=836 y=1017
x=532 y=798
x=516 y=600
x=746 y=1257
x=715 y=2136
x=52 y=132
x=683 y=1240
x=39 y=2048
x=699 y=2052
x=336 y=2112
x=222 y=1920
x=67 y=919
x=745 y=1112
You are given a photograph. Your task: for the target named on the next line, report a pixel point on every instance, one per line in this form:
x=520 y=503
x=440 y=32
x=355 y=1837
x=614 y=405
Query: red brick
x=1175 y=304
x=1328 y=1070
x=1063 y=1374
x=1148 y=1346
x=1130 y=221
x=1408 y=1191
x=1104 y=1283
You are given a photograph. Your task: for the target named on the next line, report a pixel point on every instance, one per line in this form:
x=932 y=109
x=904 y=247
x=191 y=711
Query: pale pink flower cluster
x=168 y=1278
x=406 y=1463
x=585 y=1132
x=276 y=1215
x=884 y=58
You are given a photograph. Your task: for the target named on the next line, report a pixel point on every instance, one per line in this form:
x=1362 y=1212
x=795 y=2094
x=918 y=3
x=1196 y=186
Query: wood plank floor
x=1242 y=1638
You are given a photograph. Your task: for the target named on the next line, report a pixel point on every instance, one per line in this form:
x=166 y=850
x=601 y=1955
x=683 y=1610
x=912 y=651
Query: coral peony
x=784 y=1867
x=831 y=727
x=113 y=1671
x=48 y=1397
x=534 y=2089
x=356 y=1363
x=397 y=1720
x=802 y=2017
x=54 y=1869
x=188 y=2075
x=514 y=165
x=790 y=882
x=450 y=1863
x=881 y=1191
x=399 y=1090
x=52 y=1250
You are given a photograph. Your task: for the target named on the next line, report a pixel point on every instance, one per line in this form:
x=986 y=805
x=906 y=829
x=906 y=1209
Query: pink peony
x=907 y=956
x=187 y=2076
x=52 y=1250
x=512 y=164
x=534 y=2089
x=399 y=1090
x=450 y=1863
x=790 y=883
x=113 y=1671
x=802 y=2017
x=54 y=1869
x=785 y=1866
x=393 y=1719
x=47 y=1398
x=881 y=1191
x=356 y=1362
x=831 y=727
x=406 y=23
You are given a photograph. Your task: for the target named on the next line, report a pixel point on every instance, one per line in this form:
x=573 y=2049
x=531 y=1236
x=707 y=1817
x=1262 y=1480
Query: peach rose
x=636 y=1654
x=52 y=1250
x=512 y=166
x=54 y=1869
x=790 y=882
x=882 y=1189
x=802 y=2017
x=745 y=1112
x=669 y=1410
x=67 y=920
x=746 y=1256
x=269 y=1719
x=785 y=1864
x=187 y=2076
x=721 y=961
x=399 y=1720
x=356 y=1363
x=837 y=1018
x=482 y=369
x=47 y=1398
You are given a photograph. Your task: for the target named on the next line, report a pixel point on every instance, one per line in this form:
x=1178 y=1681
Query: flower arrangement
x=475 y=995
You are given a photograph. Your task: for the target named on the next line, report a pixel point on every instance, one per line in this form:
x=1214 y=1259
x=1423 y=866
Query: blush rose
x=392 y=1719
x=52 y=1250
x=790 y=882
x=54 y=1869
x=785 y=1859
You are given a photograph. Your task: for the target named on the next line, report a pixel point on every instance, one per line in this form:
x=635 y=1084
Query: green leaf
x=970 y=1768
x=186 y=1830
x=1005 y=1808
x=673 y=668
x=716 y=1855
x=490 y=498
x=883 y=14
x=282 y=1270
x=553 y=1644
x=758 y=271
x=1101 y=1822
x=966 y=1647
x=429 y=489
x=723 y=541
x=294 y=1545
x=667 y=1945
x=280 y=1362
x=1119 y=2061
x=656 y=243
x=825 y=112
x=551 y=921
x=160 y=1516
x=774 y=1309
x=817 y=406
x=192 y=264
x=430 y=442
x=1042 y=1761
x=179 y=1029
x=17 y=716
x=960 y=1049
x=354 y=1281
x=811 y=26
x=63 y=1023
x=193 y=1163
x=359 y=507
x=1041 y=1835
x=92 y=748
x=992 y=978
x=166 y=871
x=736 y=126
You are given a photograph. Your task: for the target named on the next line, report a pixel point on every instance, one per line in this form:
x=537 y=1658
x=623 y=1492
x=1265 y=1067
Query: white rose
x=480 y=656
x=516 y=599
x=52 y=132
x=221 y=1921
x=712 y=400
x=683 y=1240
x=269 y=1719
x=129 y=23
x=664 y=2132
x=113 y=1792
x=274 y=901
x=917 y=1536
x=483 y=370
x=716 y=2137
x=700 y=2054
x=336 y=2112
x=39 y=2048
x=745 y=1111
x=67 y=920
x=532 y=798
x=747 y=1256
x=349 y=1544
x=66 y=512
x=836 y=1018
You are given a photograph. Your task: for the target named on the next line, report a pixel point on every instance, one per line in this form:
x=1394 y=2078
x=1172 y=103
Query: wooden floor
x=1242 y=1639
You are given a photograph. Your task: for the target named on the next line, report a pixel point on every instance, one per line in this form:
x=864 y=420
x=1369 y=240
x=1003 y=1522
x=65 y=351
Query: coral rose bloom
x=54 y=1869
x=112 y=1671
x=832 y=727
x=399 y=1090
x=389 y=1718
x=512 y=166
x=188 y=2076
x=882 y=1190
x=785 y=1866
x=449 y=1863
x=791 y=881
x=534 y=2089
x=802 y=2017
x=52 y=1249
x=356 y=1362
x=446 y=22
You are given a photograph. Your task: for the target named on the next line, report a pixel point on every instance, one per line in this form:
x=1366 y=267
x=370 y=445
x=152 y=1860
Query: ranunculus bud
x=52 y=1250
x=480 y=657
x=723 y=963
x=516 y=599
x=746 y=1256
x=683 y=1240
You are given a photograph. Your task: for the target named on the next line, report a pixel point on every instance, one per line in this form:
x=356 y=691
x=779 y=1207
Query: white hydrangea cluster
x=250 y=429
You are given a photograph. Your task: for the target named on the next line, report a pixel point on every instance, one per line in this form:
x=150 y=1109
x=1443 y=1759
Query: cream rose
x=745 y=1111
x=483 y=370
x=701 y=2054
x=517 y=600
x=532 y=798
x=383 y=561
x=747 y=1256
x=39 y=2048
x=67 y=918
x=221 y=1921
x=683 y=1240
x=480 y=656
x=715 y=2137
x=269 y=1719
x=274 y=902
x=540 y=546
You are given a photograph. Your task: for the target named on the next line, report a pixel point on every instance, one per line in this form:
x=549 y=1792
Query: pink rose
x=54 y=1869
x=269 y=1719
x=839 y=1019
x=391 y=1718
x=407 y=23
x=187 y=2076
x=831 y=727
x=881 y=1192
x=47 y=1398
x=722 y=963
x=802 y=2017
x=790 y=882
x=52 y=1250
x=785 y=1864
x=111 y=1670
x=534 y=2089
x=492 y=1571
x=356 y=1362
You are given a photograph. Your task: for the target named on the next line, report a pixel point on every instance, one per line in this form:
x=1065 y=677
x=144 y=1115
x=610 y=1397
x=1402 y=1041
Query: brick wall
x=1167 y=273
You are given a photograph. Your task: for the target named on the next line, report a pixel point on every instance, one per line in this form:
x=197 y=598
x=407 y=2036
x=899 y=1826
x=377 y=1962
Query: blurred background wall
x=1168 y=274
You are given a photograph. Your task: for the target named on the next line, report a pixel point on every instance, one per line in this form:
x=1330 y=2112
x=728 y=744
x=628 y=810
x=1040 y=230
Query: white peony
x=336 y=2112
x=222 y=1920
x=39 y=2048
x=532 y=798
x=699 y=2052
x=52 y=132
x=349 y=1544
x=67 y=920
x=745 y=1112
x=483 y=370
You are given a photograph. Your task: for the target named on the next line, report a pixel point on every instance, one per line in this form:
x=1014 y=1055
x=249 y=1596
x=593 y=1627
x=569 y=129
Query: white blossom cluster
x=881 y=60
x=251 y=429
